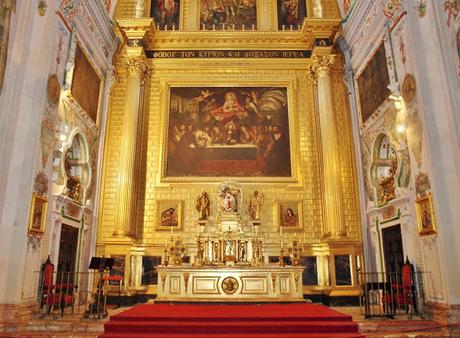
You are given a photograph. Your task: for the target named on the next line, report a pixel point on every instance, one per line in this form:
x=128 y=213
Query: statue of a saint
x=229 y=248
x=255 y=205
x=202 y=206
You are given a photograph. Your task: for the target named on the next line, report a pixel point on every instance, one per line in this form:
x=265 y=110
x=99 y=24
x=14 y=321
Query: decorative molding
x=93 y=27
x=34 y=242
x=452 y=9
x=429 y=242
x=422 y=184
x=41 y=183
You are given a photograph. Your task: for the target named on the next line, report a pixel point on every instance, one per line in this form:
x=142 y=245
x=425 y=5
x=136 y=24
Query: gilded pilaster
x=332 y=184
x=135 y=67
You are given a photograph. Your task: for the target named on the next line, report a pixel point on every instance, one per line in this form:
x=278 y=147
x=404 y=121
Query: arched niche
x=383 y=169
x=77 y=173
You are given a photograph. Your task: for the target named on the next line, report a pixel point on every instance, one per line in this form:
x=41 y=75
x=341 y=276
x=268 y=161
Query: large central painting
x=228 y=131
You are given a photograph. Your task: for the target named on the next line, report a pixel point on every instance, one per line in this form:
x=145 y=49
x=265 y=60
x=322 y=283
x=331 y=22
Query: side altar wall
x=129 y=226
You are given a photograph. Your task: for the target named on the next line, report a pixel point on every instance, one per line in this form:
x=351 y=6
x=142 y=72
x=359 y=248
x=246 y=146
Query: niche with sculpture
x=76 y=169
x=385 y=165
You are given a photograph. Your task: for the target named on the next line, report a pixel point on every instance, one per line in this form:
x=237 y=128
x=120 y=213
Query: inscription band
x=245 y=54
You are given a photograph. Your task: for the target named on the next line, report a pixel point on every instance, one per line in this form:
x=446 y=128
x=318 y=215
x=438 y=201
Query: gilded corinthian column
x=135 y=32
x=135 y=66
x=332 y=183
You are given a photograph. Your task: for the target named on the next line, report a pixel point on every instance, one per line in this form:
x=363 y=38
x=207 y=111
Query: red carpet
x=230 y=321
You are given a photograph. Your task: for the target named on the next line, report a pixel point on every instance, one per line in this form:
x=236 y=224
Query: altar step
x=231 y=321
x=232 y=335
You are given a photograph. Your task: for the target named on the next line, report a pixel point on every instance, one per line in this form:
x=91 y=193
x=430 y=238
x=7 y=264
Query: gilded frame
x=293 y=133
x=73 y=101
x=425 y=215
x=163 y=219
x=148 y=9
x=289 y=219
x=37 y=216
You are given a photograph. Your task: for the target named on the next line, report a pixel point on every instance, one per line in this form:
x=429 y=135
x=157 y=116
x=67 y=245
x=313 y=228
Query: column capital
x=135 y=65
x=321 y=65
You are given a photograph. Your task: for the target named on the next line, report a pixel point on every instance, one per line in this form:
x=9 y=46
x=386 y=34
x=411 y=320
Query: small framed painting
x=37 y=217
x=291 y=14
x=166 y=14
x=426 y=216
x=169 y=215
x=290 y=215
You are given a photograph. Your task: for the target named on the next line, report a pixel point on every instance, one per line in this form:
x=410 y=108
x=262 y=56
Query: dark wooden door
x=393 y=248
x=68 y=249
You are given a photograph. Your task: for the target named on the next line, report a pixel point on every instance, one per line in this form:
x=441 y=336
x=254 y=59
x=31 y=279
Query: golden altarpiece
x=229 y=171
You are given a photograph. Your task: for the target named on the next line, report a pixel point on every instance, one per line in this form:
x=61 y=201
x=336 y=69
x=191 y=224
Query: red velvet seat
x=402 y=293
x=54 y=295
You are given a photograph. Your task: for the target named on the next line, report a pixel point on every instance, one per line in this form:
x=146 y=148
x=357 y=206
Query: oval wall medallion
x=53 y=89
x=409 y=89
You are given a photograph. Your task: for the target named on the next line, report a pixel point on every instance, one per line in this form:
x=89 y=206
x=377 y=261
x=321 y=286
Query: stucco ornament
x=41 y=183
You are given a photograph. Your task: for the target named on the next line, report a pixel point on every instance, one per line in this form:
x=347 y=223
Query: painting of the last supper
x=228 y=131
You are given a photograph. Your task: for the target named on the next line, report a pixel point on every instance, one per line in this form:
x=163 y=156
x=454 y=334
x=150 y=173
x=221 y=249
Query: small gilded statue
x=255 y=205
x=202 y=205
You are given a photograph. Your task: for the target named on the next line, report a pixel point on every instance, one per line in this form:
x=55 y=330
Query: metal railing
x=387 y=294
x=77 y=293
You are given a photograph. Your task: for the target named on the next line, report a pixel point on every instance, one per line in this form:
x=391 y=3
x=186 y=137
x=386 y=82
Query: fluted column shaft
x=332 y=182
x=140 y=9
x=317 y=9
x=135 y=67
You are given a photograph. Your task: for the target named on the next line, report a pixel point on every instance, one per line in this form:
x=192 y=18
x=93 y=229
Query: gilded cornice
x=313 y=29
x=167 y=40
x=140 y=30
